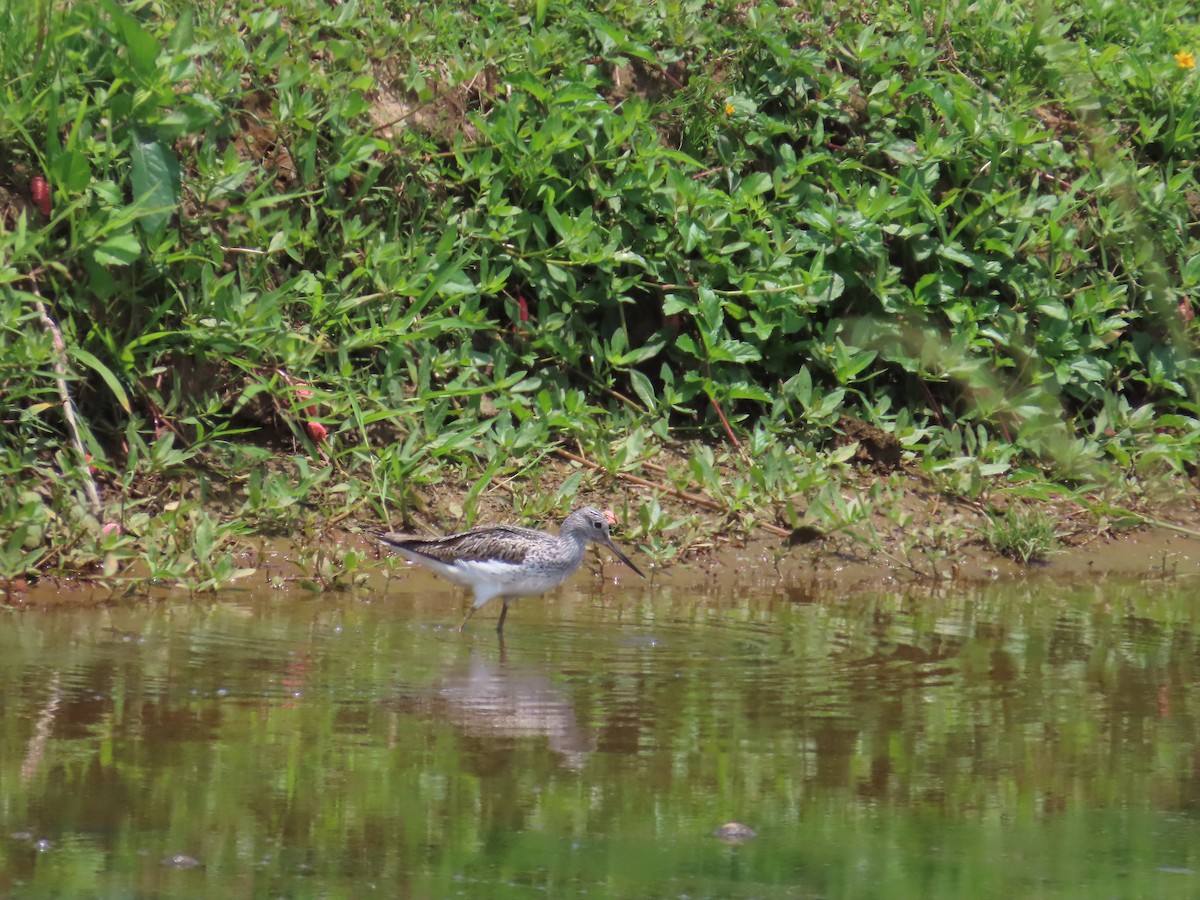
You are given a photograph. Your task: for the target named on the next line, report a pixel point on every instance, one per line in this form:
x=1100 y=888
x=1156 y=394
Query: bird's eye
x=598 y=524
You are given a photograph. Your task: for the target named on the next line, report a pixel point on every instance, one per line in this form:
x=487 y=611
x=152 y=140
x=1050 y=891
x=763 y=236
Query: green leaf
x=558 y=273
x=156 y=183
x=745 y=390
x=903 y=152
x=1090 y=369
x=140 y=45
x=89 y=360
x=758 y=183
x=844 y=453
x=643 y=388
x=1054 y=309
x=1191 y=270
x=739 y=105
x=71 y=171
x=799 y=387
x=120 y=250
x=184 y=32
x=677 y=303
x=735 y=351
x=638 y=354
x=709 y=309
x=953 y=251
x=693 y=233
x=142 y=340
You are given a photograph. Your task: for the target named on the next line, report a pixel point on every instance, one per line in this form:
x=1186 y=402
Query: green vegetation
x=300 y=265
x=1024 y=534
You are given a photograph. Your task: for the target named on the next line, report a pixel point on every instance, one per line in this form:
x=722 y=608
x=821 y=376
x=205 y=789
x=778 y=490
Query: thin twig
x=60 y=379
x=627 y=400
x=671 y=78
x=249 y=251
x=728 y=430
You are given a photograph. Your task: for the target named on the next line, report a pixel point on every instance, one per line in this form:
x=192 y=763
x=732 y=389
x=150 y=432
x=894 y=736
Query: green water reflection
x=1016 y=742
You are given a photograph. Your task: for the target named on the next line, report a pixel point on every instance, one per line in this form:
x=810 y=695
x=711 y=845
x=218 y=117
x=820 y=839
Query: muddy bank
x=825 y=568
x=907 y=535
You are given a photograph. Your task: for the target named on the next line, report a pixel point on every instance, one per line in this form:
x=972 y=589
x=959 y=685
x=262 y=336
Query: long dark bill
x=612 y=545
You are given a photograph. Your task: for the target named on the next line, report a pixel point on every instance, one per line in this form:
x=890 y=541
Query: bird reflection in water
x=496 y=699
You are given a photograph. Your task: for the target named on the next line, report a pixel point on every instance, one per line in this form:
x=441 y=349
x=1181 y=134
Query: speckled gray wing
x=499 y=543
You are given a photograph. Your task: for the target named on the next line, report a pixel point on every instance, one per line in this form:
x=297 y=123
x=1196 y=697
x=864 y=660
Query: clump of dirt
x=876 y=447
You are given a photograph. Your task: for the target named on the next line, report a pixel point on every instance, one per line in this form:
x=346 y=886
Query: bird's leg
x=470 y=612
x=503 y=613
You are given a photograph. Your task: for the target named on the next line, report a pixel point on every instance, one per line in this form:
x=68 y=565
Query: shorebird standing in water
x=509 y=561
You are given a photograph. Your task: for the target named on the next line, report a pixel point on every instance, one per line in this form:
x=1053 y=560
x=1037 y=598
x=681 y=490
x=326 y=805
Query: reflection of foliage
x=881 y=746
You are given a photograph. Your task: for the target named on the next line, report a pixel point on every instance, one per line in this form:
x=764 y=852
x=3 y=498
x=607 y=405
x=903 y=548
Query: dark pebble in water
x=735 y=831
x=180 y=861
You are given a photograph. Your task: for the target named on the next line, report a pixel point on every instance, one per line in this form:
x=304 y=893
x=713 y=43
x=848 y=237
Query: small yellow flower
x=1185 y=59
x=729 y=108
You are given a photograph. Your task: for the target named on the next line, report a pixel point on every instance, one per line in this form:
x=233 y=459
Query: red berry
x=40 y=189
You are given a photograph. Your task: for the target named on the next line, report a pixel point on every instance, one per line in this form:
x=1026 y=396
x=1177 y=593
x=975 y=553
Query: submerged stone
x=180 y=861
x=735 y=832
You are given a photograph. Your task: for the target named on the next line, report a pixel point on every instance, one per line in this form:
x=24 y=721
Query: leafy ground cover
x=299 y=268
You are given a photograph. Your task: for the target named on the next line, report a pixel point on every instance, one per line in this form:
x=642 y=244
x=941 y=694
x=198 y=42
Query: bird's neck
x=576 y=545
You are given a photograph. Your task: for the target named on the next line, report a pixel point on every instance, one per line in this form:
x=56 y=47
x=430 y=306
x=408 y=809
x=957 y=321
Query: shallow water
x=1020 y=741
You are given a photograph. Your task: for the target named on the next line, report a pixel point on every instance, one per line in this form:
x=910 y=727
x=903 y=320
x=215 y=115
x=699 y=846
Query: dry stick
x=728 y=430
x=1163 y=523
x=615 y=393
x=934 y=406
x=671 y=78
x=667 y=489
x=60 y=378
